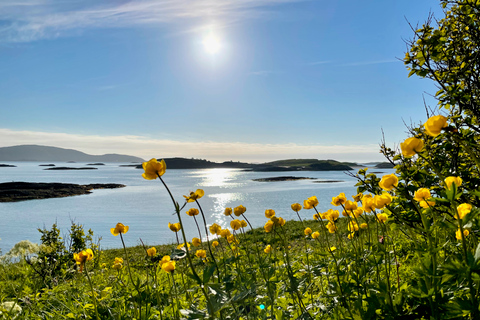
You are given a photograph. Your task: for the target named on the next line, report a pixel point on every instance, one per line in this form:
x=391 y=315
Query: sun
x=211 y=44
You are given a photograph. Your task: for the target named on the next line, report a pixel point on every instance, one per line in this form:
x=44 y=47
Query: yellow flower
x=268 y=226
x=339 y=200
x=352 y=226
x=380 y=201
x=422 y=194
x=267 y=249
x=196 y=242
x=244 y=223
x=82 y=256
x=118 y=263
x=435 y=124
x=427 y=204
x=164 y=259
x=278 y=221
x=235 y=224
x=175 y=227
x=307 y=231
x=351 y=235
x=350 y=205
x=368 y=204
x=458 y=234
x=194 y=195
x=201 y=254
x=231 y=239
x=331 y=227
x=215 y=228
x=225 y=233
x=331 y=249
x=119 y=228
x=270 y=213
x=382 y=217
x=152 y=251
x=388 y=182
x=310 y=203
x=315 y=235
x=238 y=211
x=192 y=212
x=463 y=210
x=228 y=211
x=316 y=216
x=453 y=180
x=358 y=197
x=215 y=244
x=332 y=215
x=181 y=245
x=358 y=212
x=296 y=207
x=411 y=146
x=168 y=266
x=153 y=169
x=364 y=226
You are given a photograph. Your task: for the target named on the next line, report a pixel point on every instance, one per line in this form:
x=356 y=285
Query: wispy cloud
x=147 y=147
x=30 y=20
x=366 y=63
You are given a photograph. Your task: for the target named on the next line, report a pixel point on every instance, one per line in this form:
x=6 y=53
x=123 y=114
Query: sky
x=249 y=80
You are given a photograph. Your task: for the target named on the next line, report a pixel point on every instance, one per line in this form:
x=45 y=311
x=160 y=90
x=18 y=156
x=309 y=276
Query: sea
x=146 y=207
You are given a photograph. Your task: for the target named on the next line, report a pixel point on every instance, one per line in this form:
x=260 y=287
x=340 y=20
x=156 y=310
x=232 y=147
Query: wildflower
x=310 y=203
x=352 y=226
x=225 y=233
x=382 y=217
x=153 y=169
x=278 y=221
x=194 y=195
x=164 y=259
x=316 y=216
x=244 y=223
x=296 y=207
x=422 y=194
x=118 y=263
x=350 y=205
x=196 y=242
x=235 y=224
x=228 y=211
x=192 y=212
x=231 y=239
x=175 y=227
x=82 y=257
x=307 y=231
x=315 y=235
x=426 y=204
x=215 y=244
x=458 y=234
x=358 y=212
x=152 y=251
x=368 y=204
x=332 y=248
x=435 y=124
x=351 y=235
x=168 y=266
x=201 y=254
x=267 y=249
x=339 y=200
x=463 y=210
x=453 y=180
x=388 y=182
x=332 y=215
x=268 y=226
x=215 y=228
x=380 y=201
x=364 y=226
x=358 y=197
x=270 y=213
x=331 y=227
x=119 y=228
x=238 y=211
x=181 y=245
x=411 y=146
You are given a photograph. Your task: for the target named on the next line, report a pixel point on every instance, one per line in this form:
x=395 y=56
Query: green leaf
x=477 y=253
x=208 y=272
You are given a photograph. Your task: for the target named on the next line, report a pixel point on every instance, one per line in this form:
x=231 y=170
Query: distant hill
x=280 y=165
x=53 y=154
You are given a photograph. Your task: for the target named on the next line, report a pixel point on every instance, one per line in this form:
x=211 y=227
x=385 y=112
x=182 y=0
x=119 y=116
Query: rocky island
x=19 y=191
x=71 y=168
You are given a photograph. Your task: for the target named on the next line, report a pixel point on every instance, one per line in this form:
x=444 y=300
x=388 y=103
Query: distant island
x=280 y=165
x=19 y=191
x=71 y=168
x=54 y=154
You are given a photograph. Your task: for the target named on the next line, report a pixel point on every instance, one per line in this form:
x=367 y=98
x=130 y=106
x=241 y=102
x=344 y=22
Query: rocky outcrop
x=19 y=191
x=71 y=168
x=2 y=165
x=288 y=178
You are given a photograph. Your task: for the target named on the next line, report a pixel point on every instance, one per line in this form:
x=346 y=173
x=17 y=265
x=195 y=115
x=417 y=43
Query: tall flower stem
x=93 y=292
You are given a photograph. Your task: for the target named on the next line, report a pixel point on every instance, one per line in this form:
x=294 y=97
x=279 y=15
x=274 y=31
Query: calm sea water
x=145 y=205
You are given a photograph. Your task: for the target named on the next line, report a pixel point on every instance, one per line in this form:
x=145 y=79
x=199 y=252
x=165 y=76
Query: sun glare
x=211 y=44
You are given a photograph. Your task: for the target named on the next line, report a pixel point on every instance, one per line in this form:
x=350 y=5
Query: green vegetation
x=405 y=247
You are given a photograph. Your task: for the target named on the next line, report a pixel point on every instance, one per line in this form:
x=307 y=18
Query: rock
x=328 y=181
x=96 y=164
x=7 y=166
x=19 y=191
x=288 y=178
x=70 y=168
x=46 y=165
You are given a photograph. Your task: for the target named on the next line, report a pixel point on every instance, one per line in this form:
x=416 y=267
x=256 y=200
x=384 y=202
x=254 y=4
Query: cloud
x=147 y=147
x=30 y=20
x=366 y=63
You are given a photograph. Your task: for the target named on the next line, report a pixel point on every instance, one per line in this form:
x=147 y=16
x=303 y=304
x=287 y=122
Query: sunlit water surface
x=145 y=206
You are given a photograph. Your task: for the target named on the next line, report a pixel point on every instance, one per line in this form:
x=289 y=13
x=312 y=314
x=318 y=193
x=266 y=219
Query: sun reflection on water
x=222 y=201
x=219 y=177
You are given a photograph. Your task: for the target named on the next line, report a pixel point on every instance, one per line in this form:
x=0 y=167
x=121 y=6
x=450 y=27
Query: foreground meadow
x=404 y=247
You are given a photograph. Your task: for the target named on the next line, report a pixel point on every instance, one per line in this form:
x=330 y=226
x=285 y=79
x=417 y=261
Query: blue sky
x=251 y=80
